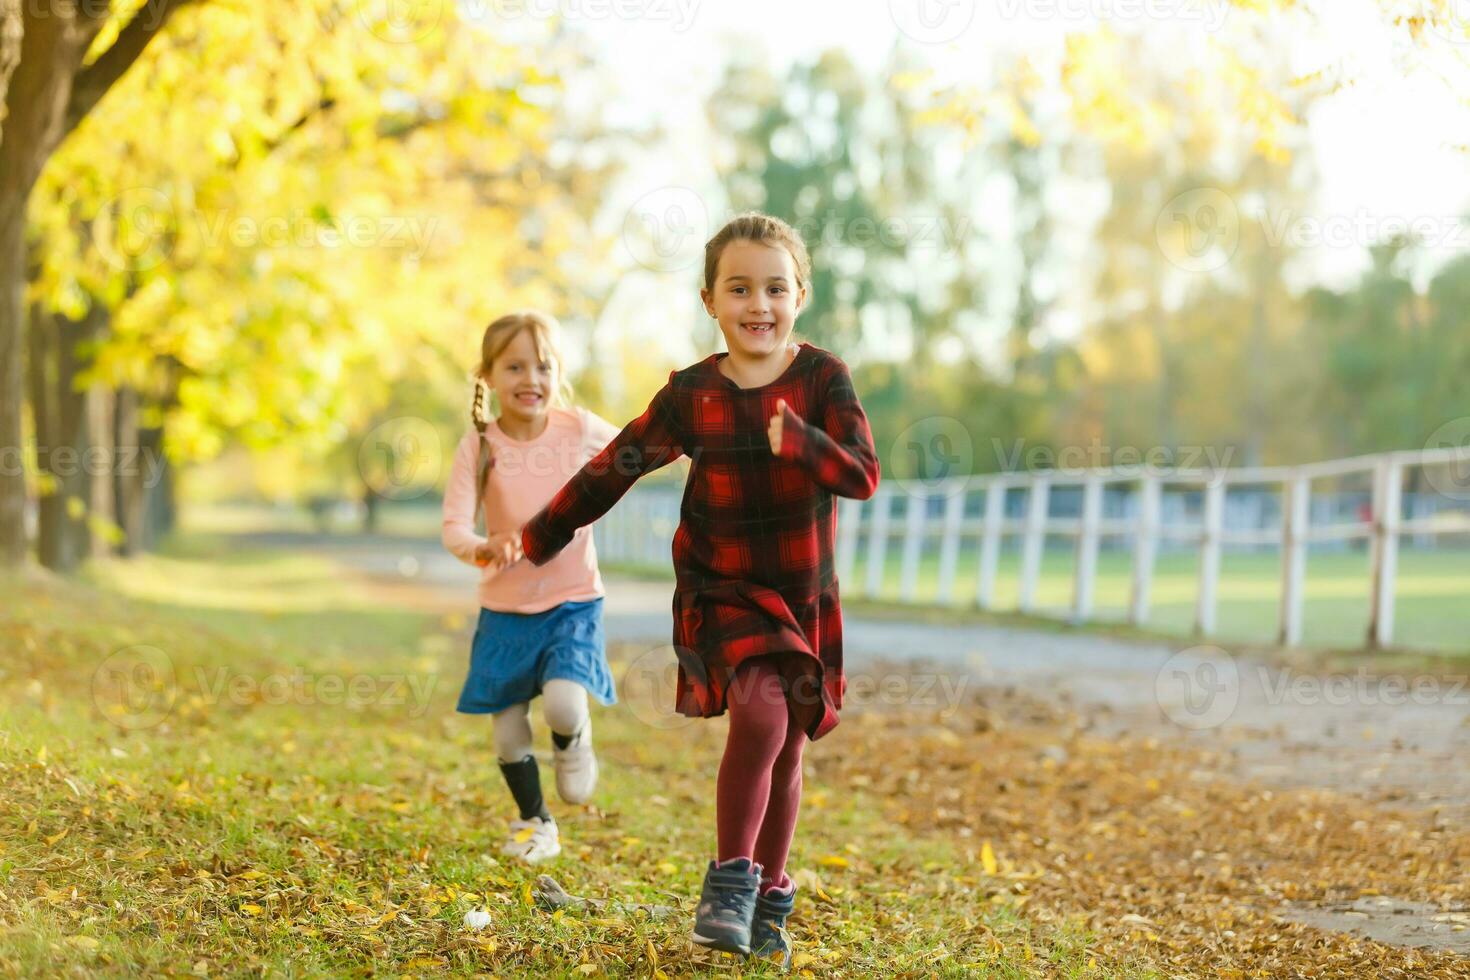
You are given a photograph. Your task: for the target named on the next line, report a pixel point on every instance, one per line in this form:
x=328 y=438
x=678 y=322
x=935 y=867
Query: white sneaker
x=576 y=767
x=532 y=840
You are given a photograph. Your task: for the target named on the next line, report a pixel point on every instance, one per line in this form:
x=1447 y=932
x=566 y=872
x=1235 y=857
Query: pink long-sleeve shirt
x=523 y=478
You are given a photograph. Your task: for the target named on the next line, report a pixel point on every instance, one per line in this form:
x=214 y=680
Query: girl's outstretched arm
x=645 y=444
x=458 y=530
x=839 y=453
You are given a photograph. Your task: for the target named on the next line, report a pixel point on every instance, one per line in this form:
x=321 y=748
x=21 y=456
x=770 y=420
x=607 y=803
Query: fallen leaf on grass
x=987 y=859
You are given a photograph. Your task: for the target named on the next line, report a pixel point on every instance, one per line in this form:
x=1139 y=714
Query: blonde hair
x=753 y=226
x=544 y=330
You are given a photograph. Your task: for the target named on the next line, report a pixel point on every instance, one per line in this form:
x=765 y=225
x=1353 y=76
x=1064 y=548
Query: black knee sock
x=524 y=780
x=562 y=741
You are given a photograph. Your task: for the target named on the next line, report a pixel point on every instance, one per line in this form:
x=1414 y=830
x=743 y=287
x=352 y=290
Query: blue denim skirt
x=514 y=654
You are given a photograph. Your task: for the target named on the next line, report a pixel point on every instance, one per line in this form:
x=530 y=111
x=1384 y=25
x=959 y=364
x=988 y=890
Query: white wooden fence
x=640 y=528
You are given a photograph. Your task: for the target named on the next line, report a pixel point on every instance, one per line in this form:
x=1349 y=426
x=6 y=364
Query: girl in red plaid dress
x=774 y=432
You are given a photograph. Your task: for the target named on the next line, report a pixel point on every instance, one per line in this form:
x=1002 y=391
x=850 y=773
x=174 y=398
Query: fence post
x=635 y=529
x=915 y=518
x=1295 y=511
x=1086 y=573
x=849 y=514
x=949 y=544
x=1145 y=548
x=1209 y=556
x=650 y=519
x=1387 y=501
x=877 y=543
x=995 y=509
x=1033 y=540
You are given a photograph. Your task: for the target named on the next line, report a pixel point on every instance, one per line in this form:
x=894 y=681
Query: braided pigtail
x=479 y=415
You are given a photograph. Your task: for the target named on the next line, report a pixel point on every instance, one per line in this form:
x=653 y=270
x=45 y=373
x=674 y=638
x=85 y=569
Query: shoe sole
x=576 y=799
x=520 y=855
x=719 y=943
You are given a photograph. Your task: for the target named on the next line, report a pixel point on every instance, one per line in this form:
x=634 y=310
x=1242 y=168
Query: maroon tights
x=759 y=789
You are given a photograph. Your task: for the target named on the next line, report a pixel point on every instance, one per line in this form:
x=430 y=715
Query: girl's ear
x=706 y=297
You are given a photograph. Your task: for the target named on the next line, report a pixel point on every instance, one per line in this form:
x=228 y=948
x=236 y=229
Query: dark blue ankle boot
x=768 y=936
x=727 y=905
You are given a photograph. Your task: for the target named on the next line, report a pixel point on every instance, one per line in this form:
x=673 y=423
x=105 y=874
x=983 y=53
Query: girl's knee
x=564 y=703
x=788 y=759
x=795 y=742
x=762 y=736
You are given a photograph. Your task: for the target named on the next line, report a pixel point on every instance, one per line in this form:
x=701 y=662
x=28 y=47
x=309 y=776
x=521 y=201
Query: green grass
x=208 y=823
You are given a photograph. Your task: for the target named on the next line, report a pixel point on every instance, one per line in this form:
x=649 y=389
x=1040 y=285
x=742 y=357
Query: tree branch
x=93 y=81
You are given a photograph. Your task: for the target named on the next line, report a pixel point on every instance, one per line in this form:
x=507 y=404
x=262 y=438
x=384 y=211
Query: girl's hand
x=774 y=430
x=502 y=549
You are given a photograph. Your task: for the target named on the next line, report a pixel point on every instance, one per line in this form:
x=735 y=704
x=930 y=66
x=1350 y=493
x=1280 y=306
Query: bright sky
x=1394 y=144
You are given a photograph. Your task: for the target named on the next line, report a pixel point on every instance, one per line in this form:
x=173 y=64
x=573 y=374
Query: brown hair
x=544 y=330
x=753 y=226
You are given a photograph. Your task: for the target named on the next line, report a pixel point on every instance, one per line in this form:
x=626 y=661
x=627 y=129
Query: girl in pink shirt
x=540 y=628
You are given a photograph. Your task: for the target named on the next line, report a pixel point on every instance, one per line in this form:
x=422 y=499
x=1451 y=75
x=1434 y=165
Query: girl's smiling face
x=755 y=299
x=522 y=380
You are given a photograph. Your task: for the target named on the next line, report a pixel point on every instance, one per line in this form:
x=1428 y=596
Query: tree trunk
x=12 y=453
x=48 y=93
x=51 y=48
x=100 y=405
x=127 y=481
x=72 y=437
x=370 y=500
x=64 y=453
x=157 y=487
x=39 y=367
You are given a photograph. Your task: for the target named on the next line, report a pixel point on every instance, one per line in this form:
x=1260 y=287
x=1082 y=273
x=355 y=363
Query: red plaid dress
x=753 y=554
